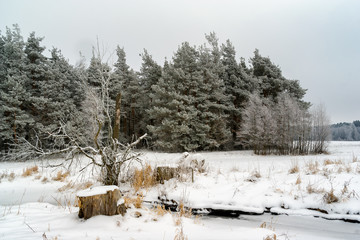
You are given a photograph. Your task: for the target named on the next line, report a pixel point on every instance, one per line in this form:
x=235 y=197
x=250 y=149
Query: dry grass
x=234 y=169
x=255 y=175
x=271 y=237
x=294 y=168
x=180 y=234
x=143 y=178
x=44 y=180
x=330 y=197
x=11 y=177
x=345 y=188
x=298 y=180
x=312 y=167
x=136 y=202
x=60 y=176
x=355 y=159
x=270 y=225
x=75 y=186
x=30 y=171
x=311 y=189
x=184 y=211
x=330 y=162
x=160 y=210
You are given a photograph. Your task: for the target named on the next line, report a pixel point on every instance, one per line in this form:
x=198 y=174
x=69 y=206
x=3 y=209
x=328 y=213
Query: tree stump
x=100 y=201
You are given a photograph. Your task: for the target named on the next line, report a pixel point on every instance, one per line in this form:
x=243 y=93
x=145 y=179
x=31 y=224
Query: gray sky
x=314 y=41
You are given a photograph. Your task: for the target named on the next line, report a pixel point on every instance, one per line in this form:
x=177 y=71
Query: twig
x=29 y=227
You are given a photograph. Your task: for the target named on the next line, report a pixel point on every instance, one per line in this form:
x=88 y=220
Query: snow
x=237 y=180
x=96 y=191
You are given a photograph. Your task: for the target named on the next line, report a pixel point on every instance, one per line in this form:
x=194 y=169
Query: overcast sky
x=314 y=41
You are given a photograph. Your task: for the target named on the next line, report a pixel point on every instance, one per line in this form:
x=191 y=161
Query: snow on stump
x=101 y=200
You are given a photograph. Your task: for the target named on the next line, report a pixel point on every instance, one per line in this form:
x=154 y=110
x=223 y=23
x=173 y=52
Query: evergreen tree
x=165 y=117
x=150 y=73
x=126 y=81
x=38 y=74
x=272 y=82
x=211 y=100
x=189 y=107
x=238 y=85
x=13 y=95
x=65 y=94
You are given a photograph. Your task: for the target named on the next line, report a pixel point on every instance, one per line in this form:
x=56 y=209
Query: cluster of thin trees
x=284 y=126
x=346 y=131
x=201 y=99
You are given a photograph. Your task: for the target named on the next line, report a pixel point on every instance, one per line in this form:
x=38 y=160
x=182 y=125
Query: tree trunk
x=116 y=131
x=99 y=201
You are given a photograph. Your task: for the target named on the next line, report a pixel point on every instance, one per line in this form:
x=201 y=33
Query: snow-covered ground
x=328 y=186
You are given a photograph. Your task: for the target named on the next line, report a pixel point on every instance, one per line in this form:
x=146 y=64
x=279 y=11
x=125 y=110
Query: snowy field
x=40 y=203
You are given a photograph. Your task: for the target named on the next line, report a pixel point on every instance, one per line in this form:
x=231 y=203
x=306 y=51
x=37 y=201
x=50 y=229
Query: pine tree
x=38 y=74
x=13 y=95
x=165 y=115
x=149 y=75
x=211 y=101
x=238 y=86
x=272 y=82
x=65 y=94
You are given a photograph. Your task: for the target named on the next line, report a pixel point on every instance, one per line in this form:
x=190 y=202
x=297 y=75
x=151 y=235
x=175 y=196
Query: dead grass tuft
x=298 y=180
x=136 y=202
x=271 y=237
x=11 y=177
x=330 y=197
x=60 y=176
x=44 y=180
x=355 y=159
x=255 y=175
x=160 y=210
x=312 y=167
x=184 y=211
x=30 y=171
x=143 y=178
x=234 y=169
x=180 y=233
x=294 y=168
x=270 y=225
x=345 y=188
x=330 y=162
x=75 y=186
x=348 y=168
x=311 y=189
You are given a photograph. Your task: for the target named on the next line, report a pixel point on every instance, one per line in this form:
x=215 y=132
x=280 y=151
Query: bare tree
x=320 y=129
x=102 y=115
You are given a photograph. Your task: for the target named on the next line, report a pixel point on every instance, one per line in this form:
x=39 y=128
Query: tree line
x=346 y=131
x=201 y=99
